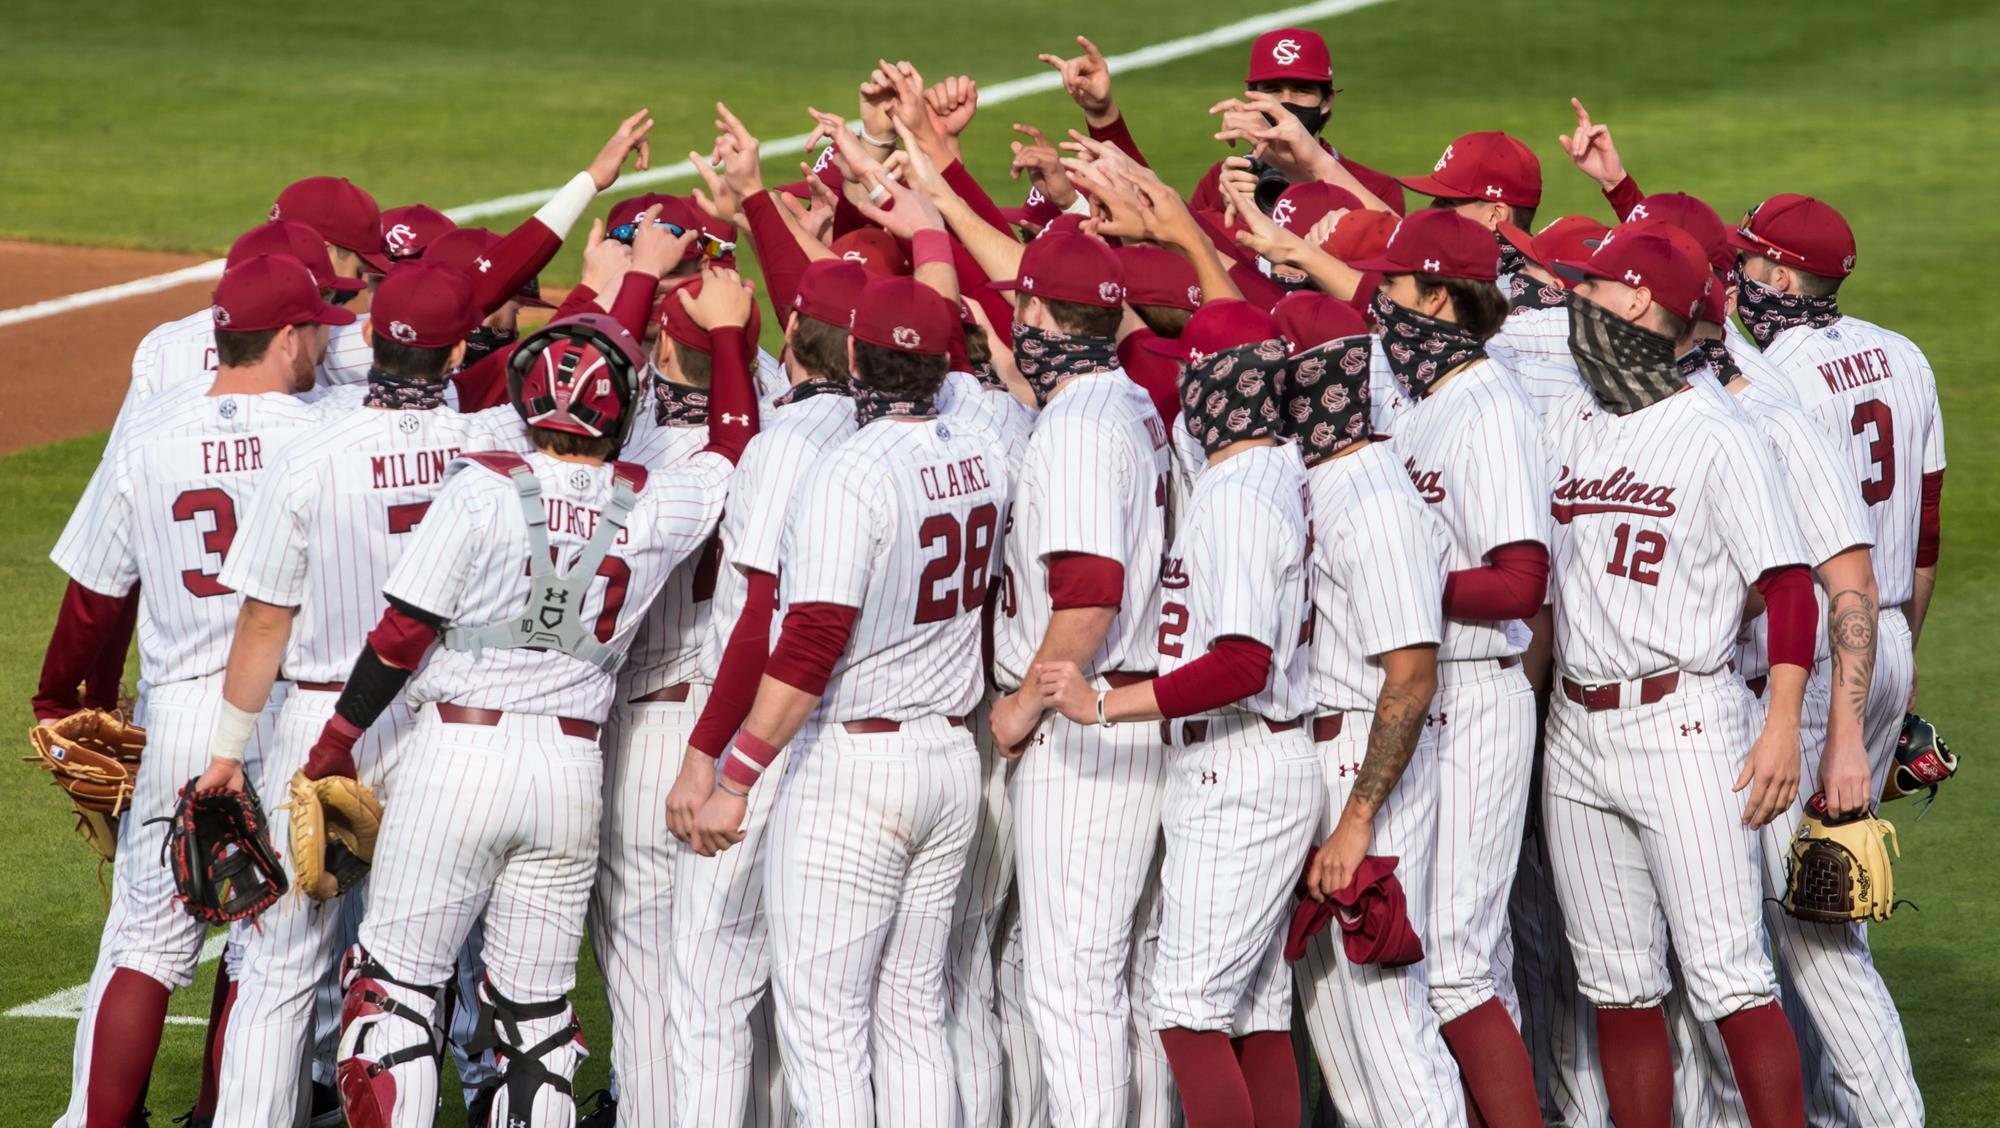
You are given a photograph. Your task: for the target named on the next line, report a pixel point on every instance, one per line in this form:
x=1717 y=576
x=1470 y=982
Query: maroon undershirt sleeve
x=846 y=217
x=810 y=644
x=85 y=625
x=1509 y=586
x=1623 y=197
x=1157 y=374
x=1794 y=615
x=778 y=251
x=518 y=256
x=1234 y=668
x=968 y=188
x=1119 y=135
x=732 y=396
x=1930 y=520
x=1078 y=579
x=743 y=660
x=633 y=306
x=101 y=683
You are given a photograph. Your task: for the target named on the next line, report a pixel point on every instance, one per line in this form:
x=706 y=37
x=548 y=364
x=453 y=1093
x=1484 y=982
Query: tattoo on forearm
x=1392 y=739
x=1850 y=631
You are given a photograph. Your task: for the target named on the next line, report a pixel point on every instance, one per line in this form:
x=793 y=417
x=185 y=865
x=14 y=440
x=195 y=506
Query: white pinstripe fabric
x=1558 y=1024
x=348 y=355
x=175 y=356
x=1530 y=336
x=668 y=648
x=1156 y=1102
x=1387 y=405
x=1027 y=1103
x=973 y=1018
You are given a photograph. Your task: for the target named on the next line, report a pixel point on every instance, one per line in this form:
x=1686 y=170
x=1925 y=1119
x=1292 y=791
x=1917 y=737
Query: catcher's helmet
x=578 y=374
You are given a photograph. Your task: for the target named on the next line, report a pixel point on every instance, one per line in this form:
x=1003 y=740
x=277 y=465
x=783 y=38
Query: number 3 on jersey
x=967 y=548
x=1881 y=448
x=221 y=510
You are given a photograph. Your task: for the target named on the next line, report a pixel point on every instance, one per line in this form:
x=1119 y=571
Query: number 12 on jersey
x=1637 y=556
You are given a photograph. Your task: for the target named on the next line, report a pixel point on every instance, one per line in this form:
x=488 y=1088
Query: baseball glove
x=219 y=849
x=334 y=820
x=94 y=757
x=1839 y=871
x=1923 y=761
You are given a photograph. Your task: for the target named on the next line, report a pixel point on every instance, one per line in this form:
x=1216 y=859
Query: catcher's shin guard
x=539 y=1046
x=390 y=1039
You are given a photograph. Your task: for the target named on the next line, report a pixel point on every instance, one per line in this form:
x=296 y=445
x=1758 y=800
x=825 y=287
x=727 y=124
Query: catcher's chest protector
x=554 y=618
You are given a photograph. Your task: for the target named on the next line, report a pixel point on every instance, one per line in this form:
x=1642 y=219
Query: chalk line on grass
x=68 y=1002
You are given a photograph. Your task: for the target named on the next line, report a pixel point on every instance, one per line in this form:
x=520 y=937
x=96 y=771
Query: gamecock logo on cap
x=274 y=213
x=221 y=315
x=1638 y=212
x=1847 y=263
x=400 y=238
x=1285 y=52
x=403 y=332
x=906 y=337
x=1282 y=213
x=1110 y=291
x=1442 y=161
x=1194 y=294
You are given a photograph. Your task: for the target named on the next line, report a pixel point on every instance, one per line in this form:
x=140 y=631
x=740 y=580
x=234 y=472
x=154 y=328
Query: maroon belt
x=1598 y=698
x=460 y=715
x=871 y=726
x=1119 y=679
x=1195 y=732
x=1757 y=684
x=1327 y=727
x=676 y=692
x=1509 y=662
x=320 y=687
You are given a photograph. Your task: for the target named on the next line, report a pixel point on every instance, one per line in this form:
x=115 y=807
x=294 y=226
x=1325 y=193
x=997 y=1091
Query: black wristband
x=370 y=689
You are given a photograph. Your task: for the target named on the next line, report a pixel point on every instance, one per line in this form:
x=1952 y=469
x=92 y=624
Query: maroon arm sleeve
x=1224 y=238
x=1233 y=669
x=975 y=286
x=101 y=683
x=968 y=188
x=1509 y=586
x=1930 y=521
x=84 y=630
x=1623 y=197
x=1078 y=579
x=810 y=644
x=778 y=251
x=1207 y=191
x=633 y=306
x=732 y=397
x=1794 y=615
x=846 y=217
x=1157 y=374
x=1119 y=136
x=1258 y=290
x=743 y=660
x=518 y=256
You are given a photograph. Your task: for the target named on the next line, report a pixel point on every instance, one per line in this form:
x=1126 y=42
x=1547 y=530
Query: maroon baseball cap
x=675 y=322
x=1360 y=235
x=1566 y=237
x=1155 y=276
x=829 y=290
x=677 y=210
x=270 y=292
x=1798 y=231
x=1644 y=254
x=282 y=237
x=1308 y=318
x=473 y=251
x=905 y=315
x=875 y=249
x=409 y=229
x=1303 y=205
x=1483 y=166
x=1068 y=266
x=1216 y=326
x=342 y=212
x=1290 y=52
x=1067 y=221
x=1694 y=217
x=424 y=306
x=1437 y=241
x=1715 y=304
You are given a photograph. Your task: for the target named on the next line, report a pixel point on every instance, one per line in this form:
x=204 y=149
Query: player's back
x=175 y=358
x=164 y=512
x=901 y=520
x=1873 y=392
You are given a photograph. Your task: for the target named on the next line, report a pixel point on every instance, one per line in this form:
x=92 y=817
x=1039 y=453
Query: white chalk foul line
x=997 y=94
x=68 y=1002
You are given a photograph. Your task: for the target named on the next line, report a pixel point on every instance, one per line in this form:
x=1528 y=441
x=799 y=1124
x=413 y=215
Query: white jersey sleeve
x=437 y=567
x=95 y=547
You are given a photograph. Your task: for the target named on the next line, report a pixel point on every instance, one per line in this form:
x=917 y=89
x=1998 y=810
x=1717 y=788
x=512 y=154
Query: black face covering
x=1710 y=352
x=1512 y=261
x=1045 y=357
x=342 y=297
x=483 y=342
x=1627 y=367
x=1325 y=392
x=677 y=405
x=1767 y=312
x=871 y=404
x=1232 y=395
x=1313 y=118
x=1420 y=349
x=813 y=386
x=1524 y=292
x=386 y=390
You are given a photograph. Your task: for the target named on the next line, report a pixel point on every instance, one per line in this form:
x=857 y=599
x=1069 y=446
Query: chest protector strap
x=554 y=618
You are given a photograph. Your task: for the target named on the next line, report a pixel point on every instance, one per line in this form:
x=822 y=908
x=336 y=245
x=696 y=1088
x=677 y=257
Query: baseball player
x=505 y=566
x=1473 y=450
x=887 y=554
x=1872 y=392
x=1669 y=506
x=1491 y=179
x=350 y=222
x=308 y=560
x=1534 y=340
x=1378 y=595
x=1243 y=795
x=162 y=514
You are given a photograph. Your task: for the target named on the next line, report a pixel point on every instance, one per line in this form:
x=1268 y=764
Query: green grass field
x=172 y=126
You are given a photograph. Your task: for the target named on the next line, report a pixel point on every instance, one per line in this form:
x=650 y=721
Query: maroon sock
x=1271 y=1073
x=1638 y=1065
x=1494 y=1062
x=1213 y=1092
x=122 y=1048
x=219 y=1005
x=139 y=1118
x=1765 y=1056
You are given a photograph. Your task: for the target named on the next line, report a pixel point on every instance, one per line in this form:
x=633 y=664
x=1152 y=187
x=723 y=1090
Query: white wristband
x=877 y=141
x=1101 y=695
x=232 y=732
x=876 y=192
x=567 y=205
x=1078 y=206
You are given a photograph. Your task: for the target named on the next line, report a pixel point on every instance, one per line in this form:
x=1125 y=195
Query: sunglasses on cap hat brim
x=711 y=247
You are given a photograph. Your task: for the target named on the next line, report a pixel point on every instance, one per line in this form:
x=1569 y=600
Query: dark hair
x=1673 y=323
x=820 y=348
x=234 y=350
x=409 y=361
x=1814 y=285
x=897 y=374
x=566 y=443
x=978 y=349
x=1523 y=218
x=697 y=367
x=1479 y=307
x=1166 y=321
x=1079 y=320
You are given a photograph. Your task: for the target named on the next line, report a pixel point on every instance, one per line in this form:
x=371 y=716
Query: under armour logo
x=1586 y=416
x=555 y=594
x=1631 y=278
x=1286 y=52
x=1691 y=730
x=483 y=263
x=1210 y=777
x=1493 y=190
x=1349 y=769
x=1437 y=718
x=1027 y=283
x=1431 y=266
x=1637 y=213
x=728 y=419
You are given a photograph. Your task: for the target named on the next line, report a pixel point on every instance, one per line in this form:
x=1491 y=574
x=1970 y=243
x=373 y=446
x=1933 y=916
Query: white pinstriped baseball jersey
x=1873 y=393
x=175 y=356
x=332 y=519
x=771 y=377
x=1240 y=567
x=348 y=355
x=1473 y=449
x=1378 y=555
x=667 y=649
x=468 y=562
x=901 y=521
x=964 y=397
x=1829 y=510
x=1387 y=405
x=752 y=533
x=163 y=510
x=1531 y=334
x=1093 y=481
x=1663 y=520
x=1187 y=460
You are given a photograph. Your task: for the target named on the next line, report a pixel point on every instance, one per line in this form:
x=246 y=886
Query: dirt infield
x=69 y=370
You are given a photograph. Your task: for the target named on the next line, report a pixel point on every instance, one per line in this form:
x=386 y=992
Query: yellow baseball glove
x=94 y=757
x=1840 y=872
x=334 y=821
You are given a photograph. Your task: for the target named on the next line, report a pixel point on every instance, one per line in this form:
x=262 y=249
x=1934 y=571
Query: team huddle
x=1114 y=640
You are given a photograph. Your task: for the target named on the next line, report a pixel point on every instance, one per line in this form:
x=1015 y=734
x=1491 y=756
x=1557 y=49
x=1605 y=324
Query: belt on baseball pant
x=460 y=715
x=871 y=726
x=1613 y=695
x=1327 y=727
x=676 y=692
x=1756 y=685
x=1119 y=679
x=1195 y=732
x=320 y=687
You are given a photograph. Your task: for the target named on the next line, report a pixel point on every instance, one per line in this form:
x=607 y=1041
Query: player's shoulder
x=1267 y=478
x=200 y=322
